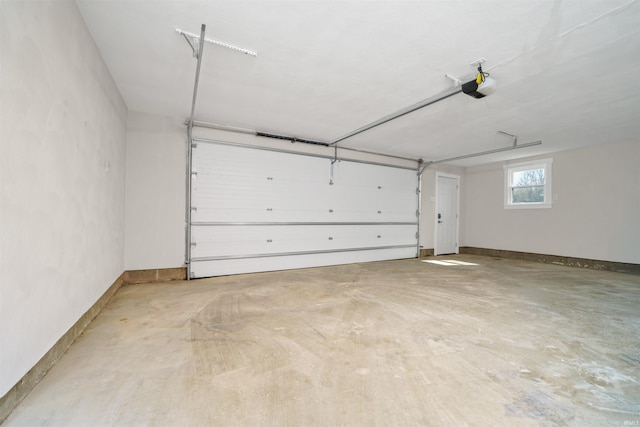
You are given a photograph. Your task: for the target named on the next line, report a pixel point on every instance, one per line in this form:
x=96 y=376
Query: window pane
x=528 y=185
x=528 y=177
x=532 y=194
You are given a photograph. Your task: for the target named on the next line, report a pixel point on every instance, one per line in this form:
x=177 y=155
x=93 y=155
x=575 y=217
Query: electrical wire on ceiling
x=566 y=33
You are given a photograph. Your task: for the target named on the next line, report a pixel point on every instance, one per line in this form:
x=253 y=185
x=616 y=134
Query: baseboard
x=426 y=252
x=18 y=392
x=620 y=267
x=154 y=275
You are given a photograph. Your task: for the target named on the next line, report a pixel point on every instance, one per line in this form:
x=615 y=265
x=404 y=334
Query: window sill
x=529 y=206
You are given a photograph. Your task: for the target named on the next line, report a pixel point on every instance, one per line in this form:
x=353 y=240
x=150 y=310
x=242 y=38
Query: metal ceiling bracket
x=515 y=138
x=193 y=42
x=456 y=81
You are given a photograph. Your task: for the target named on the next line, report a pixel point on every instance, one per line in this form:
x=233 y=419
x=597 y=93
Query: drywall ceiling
x=567 y=71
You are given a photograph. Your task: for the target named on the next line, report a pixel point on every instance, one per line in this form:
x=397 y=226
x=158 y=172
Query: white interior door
x=447 y=199
x=262 y=210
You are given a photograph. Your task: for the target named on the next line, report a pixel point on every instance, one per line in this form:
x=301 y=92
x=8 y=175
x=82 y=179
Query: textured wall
x=62 y=171
x=595 y=213
x=156 y=191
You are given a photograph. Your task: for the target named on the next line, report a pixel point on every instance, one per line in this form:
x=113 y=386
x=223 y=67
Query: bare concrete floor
x=504 y=343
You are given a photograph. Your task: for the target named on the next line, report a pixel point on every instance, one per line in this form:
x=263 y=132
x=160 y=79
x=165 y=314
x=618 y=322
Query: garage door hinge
x=194 y=208
x=417 y=213
x=194 y=244
x=417 y=234
x=418 y=190
x=194 y=173
x=194 y=145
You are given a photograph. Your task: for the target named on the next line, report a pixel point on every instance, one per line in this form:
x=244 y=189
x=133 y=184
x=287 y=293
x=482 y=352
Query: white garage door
x=263 y=210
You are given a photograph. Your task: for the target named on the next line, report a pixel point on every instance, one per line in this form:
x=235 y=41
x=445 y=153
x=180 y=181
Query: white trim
x=529 y=206
x=548 y=180
x=527 y=163
x=435 y=214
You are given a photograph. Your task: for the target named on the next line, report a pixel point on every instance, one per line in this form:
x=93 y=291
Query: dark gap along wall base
x=9 y=401
x=18 y=392
x=620 y=267
x=426 y=252
x=154 y=275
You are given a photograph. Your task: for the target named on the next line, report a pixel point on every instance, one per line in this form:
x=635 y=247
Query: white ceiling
x=567 y=71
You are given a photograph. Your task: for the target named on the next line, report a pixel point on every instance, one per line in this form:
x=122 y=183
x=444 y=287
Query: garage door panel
x=367 y=175
x=307 y=206
x=229 y=241
x=248 y=202
x=245 y=163
x=234 y=197
x=252 y=265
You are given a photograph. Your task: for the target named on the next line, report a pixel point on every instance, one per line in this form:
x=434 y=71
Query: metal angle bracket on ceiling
x=194 y=40
x=515 y=138
x=459 y=81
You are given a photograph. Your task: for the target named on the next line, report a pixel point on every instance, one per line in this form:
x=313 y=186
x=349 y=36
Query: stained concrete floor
x=500 y=343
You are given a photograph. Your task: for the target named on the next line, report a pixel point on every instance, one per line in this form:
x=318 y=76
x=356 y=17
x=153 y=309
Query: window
x=528 y=185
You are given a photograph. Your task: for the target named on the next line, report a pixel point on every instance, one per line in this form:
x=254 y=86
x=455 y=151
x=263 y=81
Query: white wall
x=595 y=213
x=156 y=189
x=62 y=176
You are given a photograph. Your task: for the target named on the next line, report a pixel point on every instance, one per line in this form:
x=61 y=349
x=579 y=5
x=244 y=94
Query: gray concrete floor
x=502 y=343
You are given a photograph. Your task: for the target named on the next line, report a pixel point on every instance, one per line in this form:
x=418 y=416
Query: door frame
x=435 y=213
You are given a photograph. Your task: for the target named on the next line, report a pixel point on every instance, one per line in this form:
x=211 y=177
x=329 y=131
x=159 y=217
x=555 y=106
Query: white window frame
x=517 y=167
